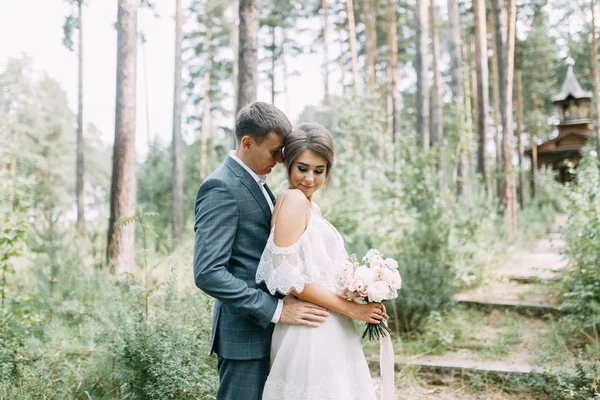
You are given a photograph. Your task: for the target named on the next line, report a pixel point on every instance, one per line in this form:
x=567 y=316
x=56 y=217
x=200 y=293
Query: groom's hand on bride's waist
x=298 y=312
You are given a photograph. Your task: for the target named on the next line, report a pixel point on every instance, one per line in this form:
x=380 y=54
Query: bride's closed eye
x=318 y=172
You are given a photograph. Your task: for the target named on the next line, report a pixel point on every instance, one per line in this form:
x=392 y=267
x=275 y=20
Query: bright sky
x=34 y=27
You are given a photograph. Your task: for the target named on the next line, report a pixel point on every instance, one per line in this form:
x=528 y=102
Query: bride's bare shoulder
x=290 y=218
x=293 y=198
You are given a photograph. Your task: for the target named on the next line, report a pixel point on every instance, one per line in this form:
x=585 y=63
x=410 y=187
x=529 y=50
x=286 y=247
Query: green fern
x=125 y=221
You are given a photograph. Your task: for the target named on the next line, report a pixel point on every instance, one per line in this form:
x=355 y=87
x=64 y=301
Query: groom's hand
x=298 y=312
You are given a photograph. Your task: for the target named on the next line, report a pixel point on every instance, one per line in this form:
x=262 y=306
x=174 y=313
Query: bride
x=302 y=256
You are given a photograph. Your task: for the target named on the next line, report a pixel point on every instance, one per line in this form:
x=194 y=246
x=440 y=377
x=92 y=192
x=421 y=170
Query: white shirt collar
x=260 y=179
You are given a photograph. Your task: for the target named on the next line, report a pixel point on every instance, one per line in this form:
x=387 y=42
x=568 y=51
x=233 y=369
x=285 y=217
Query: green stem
x=4 y=272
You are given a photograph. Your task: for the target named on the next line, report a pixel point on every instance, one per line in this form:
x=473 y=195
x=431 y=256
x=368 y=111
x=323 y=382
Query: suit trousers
x=242 y=379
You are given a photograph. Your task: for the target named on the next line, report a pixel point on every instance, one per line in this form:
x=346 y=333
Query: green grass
x=487 y=335
x=510 y=336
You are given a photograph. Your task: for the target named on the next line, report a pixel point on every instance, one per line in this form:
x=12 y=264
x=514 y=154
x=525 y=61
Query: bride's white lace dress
x=313 y=363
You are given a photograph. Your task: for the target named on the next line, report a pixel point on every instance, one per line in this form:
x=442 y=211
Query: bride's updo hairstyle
x=309 y=136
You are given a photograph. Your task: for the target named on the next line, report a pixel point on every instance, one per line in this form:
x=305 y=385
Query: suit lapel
x=271 y=195
x=250 y=184
x=253 y=187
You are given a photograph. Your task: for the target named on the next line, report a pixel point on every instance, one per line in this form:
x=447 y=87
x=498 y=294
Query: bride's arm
x=291 y=222
x=320 y=295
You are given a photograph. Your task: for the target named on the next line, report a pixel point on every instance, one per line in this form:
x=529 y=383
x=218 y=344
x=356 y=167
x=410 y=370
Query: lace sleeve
x=286 y=268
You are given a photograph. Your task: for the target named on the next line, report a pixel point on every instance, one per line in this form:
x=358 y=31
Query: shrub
x=424 y=253
x=165 y=353
x=583 y=385
x=581 y=280
x=76 y=332
x=14 y=206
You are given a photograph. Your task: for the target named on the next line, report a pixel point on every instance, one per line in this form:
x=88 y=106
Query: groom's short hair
x=258 y=119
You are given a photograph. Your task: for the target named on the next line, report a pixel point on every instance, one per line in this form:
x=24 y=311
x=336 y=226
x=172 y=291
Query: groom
x=232 y=223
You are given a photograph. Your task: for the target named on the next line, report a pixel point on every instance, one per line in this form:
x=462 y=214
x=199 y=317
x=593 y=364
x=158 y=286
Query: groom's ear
x=246 y=142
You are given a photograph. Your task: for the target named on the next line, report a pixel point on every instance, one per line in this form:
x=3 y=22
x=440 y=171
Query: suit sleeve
x=215 y=227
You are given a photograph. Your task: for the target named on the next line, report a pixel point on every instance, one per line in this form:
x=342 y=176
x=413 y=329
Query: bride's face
x=308 y=172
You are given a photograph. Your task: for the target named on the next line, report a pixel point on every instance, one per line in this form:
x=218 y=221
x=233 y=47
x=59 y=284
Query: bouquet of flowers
x=375 y=280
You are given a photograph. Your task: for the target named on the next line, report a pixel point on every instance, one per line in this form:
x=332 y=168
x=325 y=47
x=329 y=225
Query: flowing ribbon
x=386 y=364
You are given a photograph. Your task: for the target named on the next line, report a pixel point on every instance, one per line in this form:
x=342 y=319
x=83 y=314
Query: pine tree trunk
x=482 y=89
x=371 y=38
x=496 y=104
x=149 y=139
x=273 y=61
x=501 y=50
x=473 y=57
x=206 y=108
x=79 y=184
x=236 y=56
x=596 y=78
x=519 y=106
x=342 y=61
x=438 y=115
x=455 y=50
x=325 y=67
x=509 y=189
x=236 y=38
x=463 y=187
x=353 y=46
x=458 y=92
x=206 y=123
x=534 y=162
x=177 y=210
x=284 y=68
x=248 y=53
x=392 y=70
x=121 y=244
x=535 y=107
x=422 y=75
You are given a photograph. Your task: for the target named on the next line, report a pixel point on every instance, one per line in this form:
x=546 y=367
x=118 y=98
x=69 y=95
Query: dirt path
x=498 y=337
x=527 y=275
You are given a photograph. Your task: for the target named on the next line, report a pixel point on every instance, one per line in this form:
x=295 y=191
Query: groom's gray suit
x=232 y=225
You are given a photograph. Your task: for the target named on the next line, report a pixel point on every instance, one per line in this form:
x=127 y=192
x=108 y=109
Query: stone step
x=529 y=279
x=550 y=268
x=552 y=235
x=534 y=309
x=549 y=245
x=462 y=366
x=466 y=367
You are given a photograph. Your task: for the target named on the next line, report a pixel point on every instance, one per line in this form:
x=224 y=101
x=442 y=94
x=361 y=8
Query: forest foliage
x=70 y=328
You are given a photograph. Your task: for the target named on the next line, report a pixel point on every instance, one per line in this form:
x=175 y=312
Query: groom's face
x=261 y=158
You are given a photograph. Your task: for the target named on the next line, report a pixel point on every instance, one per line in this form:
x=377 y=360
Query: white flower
x=392 y=278
x=390 y=263
x=377 y=272
x=387 y=275
x=371 y=256
x=377 y=279
x=377 y=264
x=342 y=284
x=364 y=276
x=378 y=291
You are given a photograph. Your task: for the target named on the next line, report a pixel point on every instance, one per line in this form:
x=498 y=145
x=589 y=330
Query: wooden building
x=574 y=129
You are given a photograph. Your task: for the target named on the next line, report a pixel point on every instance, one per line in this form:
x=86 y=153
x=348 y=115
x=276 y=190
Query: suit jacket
x=232 y=225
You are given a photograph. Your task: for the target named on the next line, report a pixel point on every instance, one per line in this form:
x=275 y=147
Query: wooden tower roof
x=571 y=87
